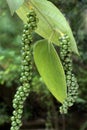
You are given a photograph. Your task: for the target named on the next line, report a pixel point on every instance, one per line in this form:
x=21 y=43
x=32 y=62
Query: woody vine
x=56 y=71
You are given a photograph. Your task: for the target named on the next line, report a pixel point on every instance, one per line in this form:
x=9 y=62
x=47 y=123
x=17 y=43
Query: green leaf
x=51 y=24
x=14 y=5
x=50 y=68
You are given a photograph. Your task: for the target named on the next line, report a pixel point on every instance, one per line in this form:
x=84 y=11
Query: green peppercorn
x=72 y=89
x=26 y=41
x=26 y=71
x=12 y=118
x=14 y=113
x=24 y=36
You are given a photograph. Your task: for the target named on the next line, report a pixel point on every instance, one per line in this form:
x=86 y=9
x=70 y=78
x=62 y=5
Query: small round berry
x=22 y=94
x=14 y=123
x=12 y=128
x=15 y=105
x=24 y=36
x=12 y=118
x=26 y=68
x=20 y=111
x=26 y=41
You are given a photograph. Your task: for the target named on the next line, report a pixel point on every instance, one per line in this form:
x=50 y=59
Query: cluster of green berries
x=26 y=71
x=71 y=82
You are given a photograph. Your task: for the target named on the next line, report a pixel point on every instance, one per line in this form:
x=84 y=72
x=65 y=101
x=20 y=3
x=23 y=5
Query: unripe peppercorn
x=26 y=71
x=72 y=89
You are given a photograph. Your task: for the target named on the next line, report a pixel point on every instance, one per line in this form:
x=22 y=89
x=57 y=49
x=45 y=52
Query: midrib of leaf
x=52 y=28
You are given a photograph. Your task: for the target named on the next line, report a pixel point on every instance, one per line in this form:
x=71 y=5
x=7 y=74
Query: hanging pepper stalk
x=26 y=71
x=71 y=82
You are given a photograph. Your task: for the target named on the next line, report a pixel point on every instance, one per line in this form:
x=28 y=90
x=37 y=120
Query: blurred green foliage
x=10 y=56
x=10 y=39
x=4 y=117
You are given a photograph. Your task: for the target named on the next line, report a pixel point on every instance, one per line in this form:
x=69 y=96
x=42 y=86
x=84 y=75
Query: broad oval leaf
x=50 y=68
x=14 y=5
x=51 y=21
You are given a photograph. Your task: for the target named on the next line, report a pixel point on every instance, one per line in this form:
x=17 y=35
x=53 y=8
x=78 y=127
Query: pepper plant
x=56 y=70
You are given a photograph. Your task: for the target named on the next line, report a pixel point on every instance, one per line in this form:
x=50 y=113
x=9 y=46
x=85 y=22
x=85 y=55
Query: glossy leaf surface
x=14 y=4
x=51 y=24
x=49 y=66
